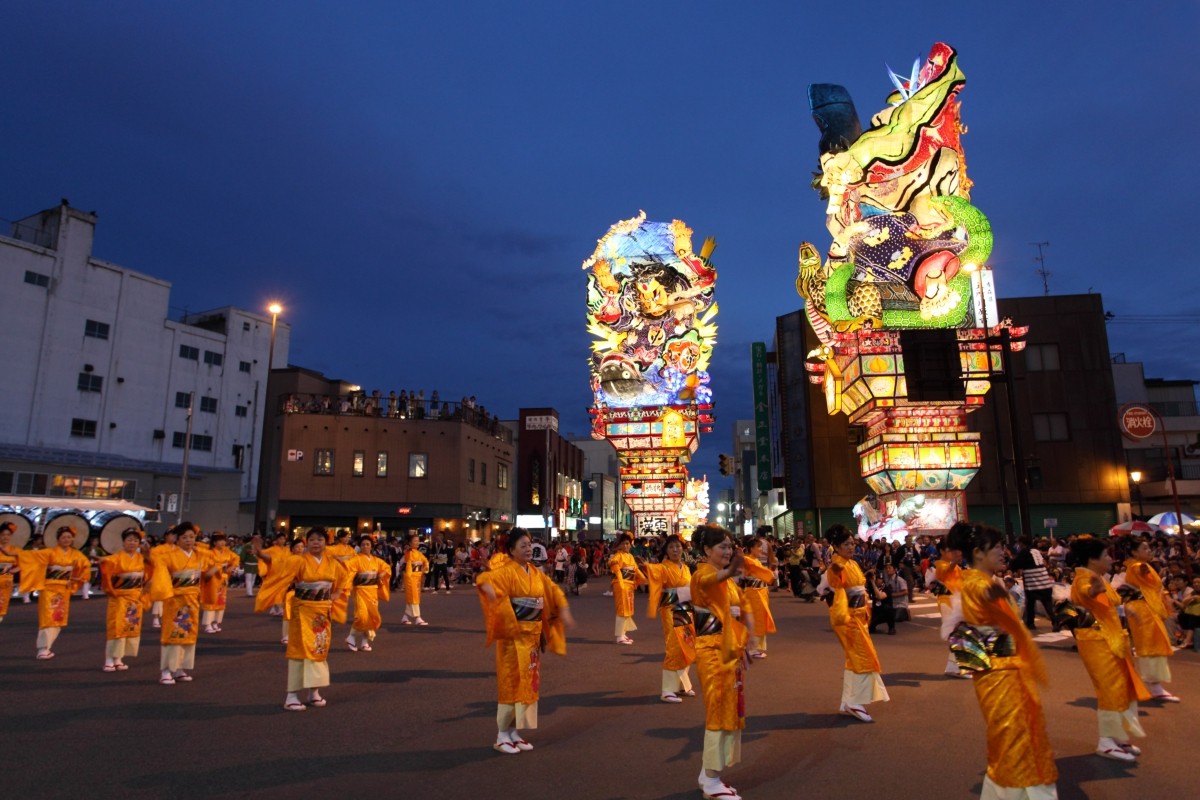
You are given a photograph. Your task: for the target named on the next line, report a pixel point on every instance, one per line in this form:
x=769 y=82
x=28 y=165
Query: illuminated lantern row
x=908 y=254
x=650 y=311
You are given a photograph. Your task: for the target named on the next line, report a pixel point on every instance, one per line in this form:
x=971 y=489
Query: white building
x=98 y=378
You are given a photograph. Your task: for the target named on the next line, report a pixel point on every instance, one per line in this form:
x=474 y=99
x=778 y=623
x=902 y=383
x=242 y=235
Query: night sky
x=418 y=183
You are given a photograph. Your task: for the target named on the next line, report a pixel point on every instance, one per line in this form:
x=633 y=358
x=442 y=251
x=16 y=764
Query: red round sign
x=1138 y=422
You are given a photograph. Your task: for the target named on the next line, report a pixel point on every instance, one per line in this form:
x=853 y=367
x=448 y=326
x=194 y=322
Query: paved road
x=415 y=718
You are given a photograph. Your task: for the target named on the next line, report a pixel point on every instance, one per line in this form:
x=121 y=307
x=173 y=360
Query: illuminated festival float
x=650 y=309
x=903 y=303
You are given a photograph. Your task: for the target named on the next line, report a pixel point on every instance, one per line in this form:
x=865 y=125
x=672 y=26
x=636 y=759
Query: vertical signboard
x=762 y=428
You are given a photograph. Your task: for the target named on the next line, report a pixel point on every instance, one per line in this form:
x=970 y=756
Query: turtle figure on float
x=898 y=207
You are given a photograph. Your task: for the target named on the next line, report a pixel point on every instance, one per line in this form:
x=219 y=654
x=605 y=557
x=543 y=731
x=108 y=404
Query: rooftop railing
x=389 y=407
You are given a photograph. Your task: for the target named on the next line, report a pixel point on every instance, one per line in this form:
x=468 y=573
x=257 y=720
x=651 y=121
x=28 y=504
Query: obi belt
x=366 y=578
x=707 y=623
x=753 y=583
x=185 y=578
x=527 y=609
x=856 y=596
x=7 y=567
x=129 y=580
x=57 y=573
x=314 y=590
x=628 y=573
x=681 y=610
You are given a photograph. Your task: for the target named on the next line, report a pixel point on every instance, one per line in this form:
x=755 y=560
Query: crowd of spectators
x=406 y=405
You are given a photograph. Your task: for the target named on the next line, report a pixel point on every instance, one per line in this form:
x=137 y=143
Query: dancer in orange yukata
x=215 y=589
x=168 y=543
x=1104 y=647
x=626 y=577
x=175 y=582
x=317 y=580
x=670 y=601
x=849 y=615
x=1146 y=612
x=998 y=652
x=522 y=609
x=722 y=655
x=371 y=579
x=947 y=587
x=55 y=573
x=416 y=565
x=123 y=579
x=756 y=583
x=8 y=566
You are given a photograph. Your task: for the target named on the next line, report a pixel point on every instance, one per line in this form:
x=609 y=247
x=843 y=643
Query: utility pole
x=187 y=451
x=1041 y=270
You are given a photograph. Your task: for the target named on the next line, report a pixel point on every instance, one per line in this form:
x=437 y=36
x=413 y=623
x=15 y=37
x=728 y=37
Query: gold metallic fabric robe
x=214 y=588
x=1018 y=749
x=176 y=582
x=1147 y=616
x=850 y=624
x=8 y=566
x=54 y=573
x=371 y=578
x=719 y=662
x=679 y=632
x=757 y=598
x=949 y=575
x=522 y=593
x=312 y=585
x=123 y=579
x=626 y=577
x=1105 y=649
x=416 y=565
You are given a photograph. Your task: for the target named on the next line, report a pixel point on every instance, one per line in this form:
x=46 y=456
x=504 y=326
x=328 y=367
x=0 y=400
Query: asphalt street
x=416 y=717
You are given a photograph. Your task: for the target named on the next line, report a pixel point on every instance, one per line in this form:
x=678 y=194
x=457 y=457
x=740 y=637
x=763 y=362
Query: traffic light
x=727 y=466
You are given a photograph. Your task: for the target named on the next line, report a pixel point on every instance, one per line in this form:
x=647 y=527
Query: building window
x=208 y=405
x=189 y=352
x=213 y=359
x=97 y=330
x=381 y=464
x=199 y=441
x=183 y=399
x=323 y=463
x=483 y=473
x=359 y=465
x=37 y=278
x=245 y=326
x=470 y=470
x=501 y=476
x=89 y=382
x=418 y=465
x=240 y=411
x=84 y=428
x=1051 y=428
x=244 y=366
x=1041 y=357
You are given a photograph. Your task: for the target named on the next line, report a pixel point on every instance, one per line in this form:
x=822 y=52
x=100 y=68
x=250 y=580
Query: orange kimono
x=123 y=579
x=626 y=578
x=1018 y=750
x=55 y=574
x=176 y=584
x=313 y=584
x=371 y=578
x=850 y=614
x=8 y=567
x=719 y=664
x=756 y=588
x=1146 y=616
x=949 y=575
x=214 y=588
x=524 y=614
x=675 y=615
x=415 y=567
x=1106 y=652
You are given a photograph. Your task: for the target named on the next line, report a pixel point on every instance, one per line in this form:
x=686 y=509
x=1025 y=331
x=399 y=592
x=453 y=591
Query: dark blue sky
x=420 y=184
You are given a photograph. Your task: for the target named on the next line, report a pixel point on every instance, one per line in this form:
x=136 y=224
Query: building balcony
x=362 y=405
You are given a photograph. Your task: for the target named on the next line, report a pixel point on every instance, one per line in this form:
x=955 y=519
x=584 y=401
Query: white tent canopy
x=74 y=504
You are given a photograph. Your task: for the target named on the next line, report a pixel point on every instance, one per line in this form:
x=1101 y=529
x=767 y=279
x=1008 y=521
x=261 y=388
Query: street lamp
x=1136 y=477
x=260 y=507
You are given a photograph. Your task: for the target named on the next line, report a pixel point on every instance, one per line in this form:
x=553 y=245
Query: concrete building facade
x=100 y=376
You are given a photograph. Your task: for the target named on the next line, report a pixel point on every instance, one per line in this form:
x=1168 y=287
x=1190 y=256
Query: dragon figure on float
x=909 y=254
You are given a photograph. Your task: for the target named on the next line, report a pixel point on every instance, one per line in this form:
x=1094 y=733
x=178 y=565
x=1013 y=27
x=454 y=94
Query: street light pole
x=1136 y=477
x=260 y=506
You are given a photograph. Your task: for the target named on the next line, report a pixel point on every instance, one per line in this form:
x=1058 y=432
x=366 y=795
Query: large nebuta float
x=650 y=311
x=903 y=303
